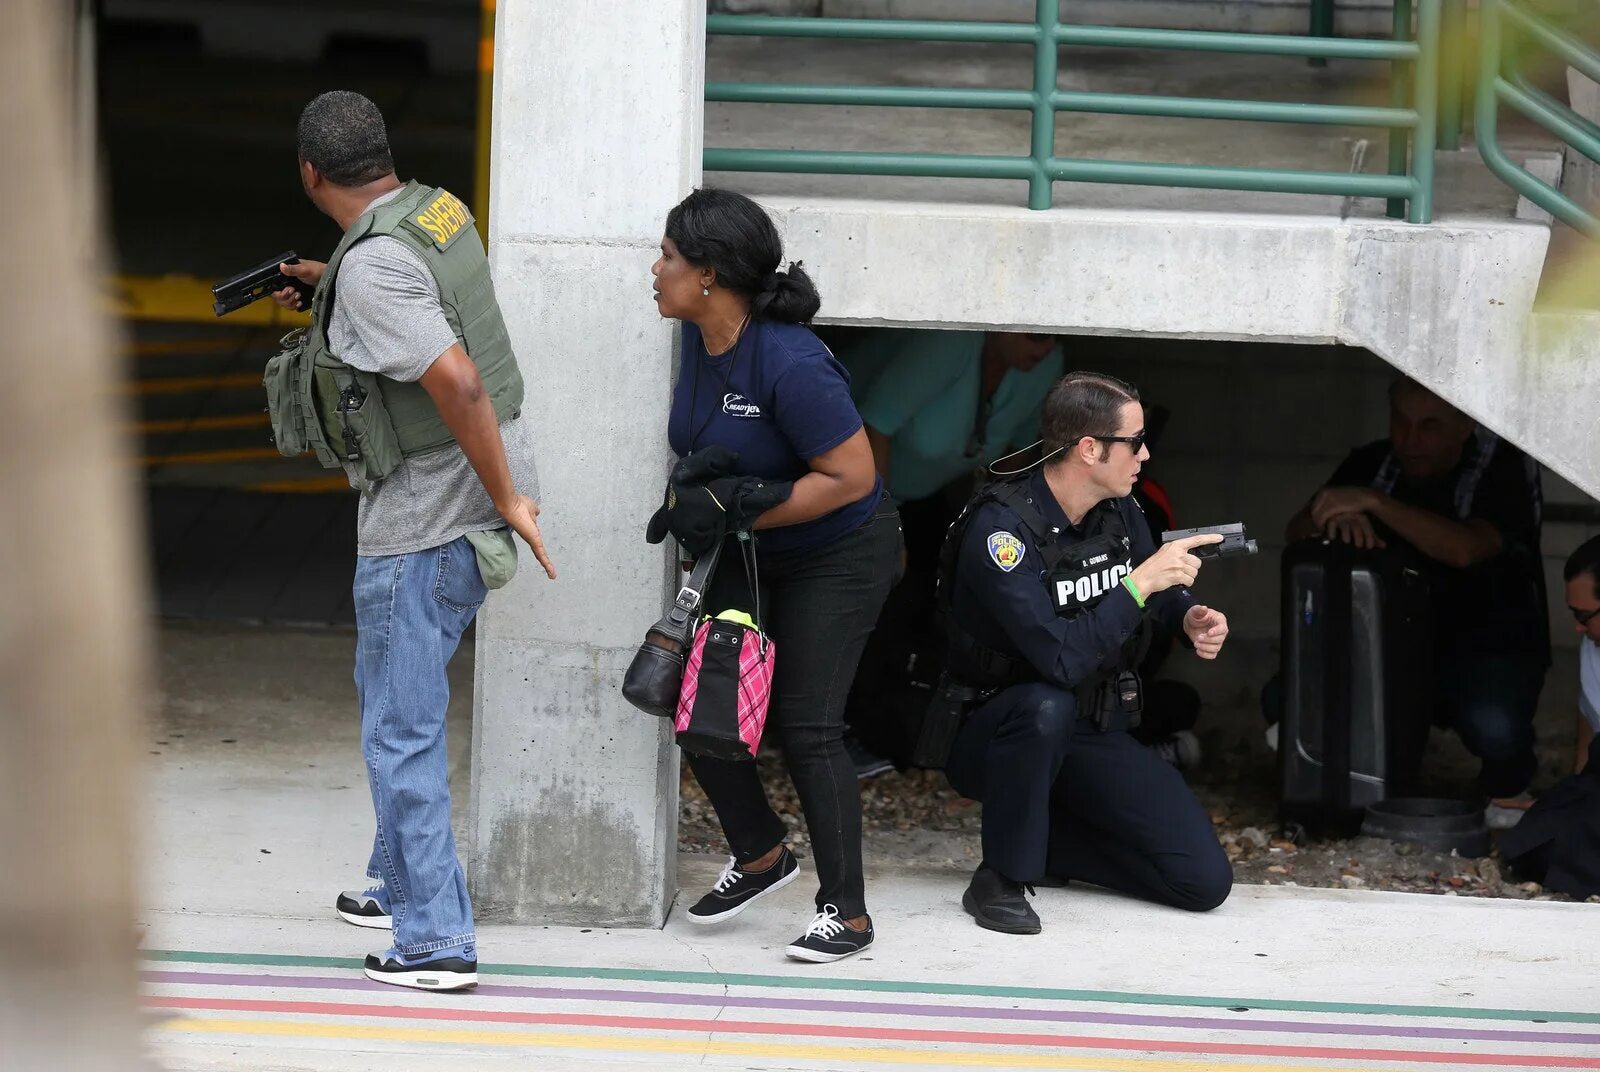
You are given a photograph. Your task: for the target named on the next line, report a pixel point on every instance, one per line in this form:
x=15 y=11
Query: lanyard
x=694 y=388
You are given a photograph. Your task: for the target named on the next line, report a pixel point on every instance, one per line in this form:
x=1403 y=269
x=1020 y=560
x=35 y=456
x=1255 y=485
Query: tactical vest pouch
x=358 y=427
x=1115 y=702
x=284 y=411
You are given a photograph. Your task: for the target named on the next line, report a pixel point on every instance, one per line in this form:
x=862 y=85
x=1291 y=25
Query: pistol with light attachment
x=1234 y=540
x=253 y=284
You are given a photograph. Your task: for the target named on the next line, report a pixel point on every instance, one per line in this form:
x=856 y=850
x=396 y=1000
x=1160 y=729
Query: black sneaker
x=998 y=903
x=736 y=890
x=829 y=939
x=868 y=764
x=442 y=973
x=364 y=909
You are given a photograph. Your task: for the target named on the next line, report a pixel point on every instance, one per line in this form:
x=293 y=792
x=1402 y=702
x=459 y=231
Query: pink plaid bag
x=727 y=681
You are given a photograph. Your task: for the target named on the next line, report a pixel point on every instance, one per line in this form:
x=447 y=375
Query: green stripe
x=890 y=986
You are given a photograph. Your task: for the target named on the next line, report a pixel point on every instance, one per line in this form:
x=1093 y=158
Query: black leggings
x=818 y=606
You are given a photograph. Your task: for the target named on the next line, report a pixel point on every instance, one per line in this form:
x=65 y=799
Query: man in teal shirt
x=938 y=406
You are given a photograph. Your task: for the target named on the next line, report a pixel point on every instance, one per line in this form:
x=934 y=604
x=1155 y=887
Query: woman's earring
x=706 y=291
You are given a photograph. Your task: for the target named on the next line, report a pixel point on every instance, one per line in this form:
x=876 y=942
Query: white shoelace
x=730 y=875
x=826 y=924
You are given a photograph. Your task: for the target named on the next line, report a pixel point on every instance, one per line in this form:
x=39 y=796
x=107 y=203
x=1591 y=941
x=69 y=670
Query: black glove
x=690 y=472
x=705 y=465
x=749 y=497
x=696 y=516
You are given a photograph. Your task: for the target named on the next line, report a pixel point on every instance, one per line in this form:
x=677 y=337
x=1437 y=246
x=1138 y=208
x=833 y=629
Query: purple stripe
x=1061 y=1016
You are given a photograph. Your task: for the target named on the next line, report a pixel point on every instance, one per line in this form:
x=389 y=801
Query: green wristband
x=1133 y=590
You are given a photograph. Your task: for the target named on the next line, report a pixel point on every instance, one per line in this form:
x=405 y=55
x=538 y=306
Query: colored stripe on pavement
x=868 y=1032
x=893 y=986
x=887 y=1008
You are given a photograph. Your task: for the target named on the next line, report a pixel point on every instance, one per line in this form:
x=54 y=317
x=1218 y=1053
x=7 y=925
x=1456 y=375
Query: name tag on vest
x=1081 y=591
x=1087 y=572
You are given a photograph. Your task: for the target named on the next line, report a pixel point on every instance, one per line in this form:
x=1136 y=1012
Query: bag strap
x=752 y=576
x=679 y=619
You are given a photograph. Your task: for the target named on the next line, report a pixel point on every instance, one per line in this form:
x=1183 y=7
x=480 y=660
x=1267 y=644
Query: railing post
x=1043 y=151
x=1322 y=25
x=1427 y=91
x=1400 y=95
x=1452 y=72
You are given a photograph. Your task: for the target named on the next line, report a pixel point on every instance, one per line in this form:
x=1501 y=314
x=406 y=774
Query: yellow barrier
x=185 y=299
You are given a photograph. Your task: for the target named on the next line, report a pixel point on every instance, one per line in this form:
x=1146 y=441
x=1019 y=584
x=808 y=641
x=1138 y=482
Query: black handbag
x=655 y=676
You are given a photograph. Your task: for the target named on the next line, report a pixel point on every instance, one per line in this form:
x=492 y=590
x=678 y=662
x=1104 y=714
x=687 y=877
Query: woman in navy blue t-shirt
x=755 y=380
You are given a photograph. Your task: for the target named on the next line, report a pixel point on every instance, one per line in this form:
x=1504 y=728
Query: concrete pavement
x=258 y=814
x=1275 y=979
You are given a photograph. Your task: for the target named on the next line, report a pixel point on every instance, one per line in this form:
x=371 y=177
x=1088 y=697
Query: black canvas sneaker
x=829 y=939
x=736 y=890
x=999 y=904
x=421 y=973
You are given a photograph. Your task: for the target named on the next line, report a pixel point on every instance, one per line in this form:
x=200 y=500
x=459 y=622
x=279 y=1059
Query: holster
x=951 y=704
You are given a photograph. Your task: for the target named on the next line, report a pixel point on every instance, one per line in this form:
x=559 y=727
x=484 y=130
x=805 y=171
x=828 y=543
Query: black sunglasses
x=1136 y=441
x=1583 y=617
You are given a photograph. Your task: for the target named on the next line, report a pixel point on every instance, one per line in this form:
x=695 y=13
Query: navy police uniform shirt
x=1002 y=600
x=779 y=398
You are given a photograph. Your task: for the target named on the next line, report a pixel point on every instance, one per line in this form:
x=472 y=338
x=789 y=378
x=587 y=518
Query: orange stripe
x=871 y=1032
x=214 y=457
x=202 y=424
x=153 y=348
x=486 y=54
x=316 y=485
x=181 y=385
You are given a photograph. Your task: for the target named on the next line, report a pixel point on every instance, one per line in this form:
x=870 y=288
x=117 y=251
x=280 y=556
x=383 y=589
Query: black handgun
x=1234 y=541
x=256 y=283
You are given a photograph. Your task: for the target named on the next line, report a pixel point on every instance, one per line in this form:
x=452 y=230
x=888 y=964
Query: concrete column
x=73 y=628
x=597 y=133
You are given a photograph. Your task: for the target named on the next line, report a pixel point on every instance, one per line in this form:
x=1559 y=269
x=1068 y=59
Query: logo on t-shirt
x=736 y=405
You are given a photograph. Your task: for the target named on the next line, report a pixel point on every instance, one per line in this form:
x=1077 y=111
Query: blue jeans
x=1489 y=699
x=410 y=613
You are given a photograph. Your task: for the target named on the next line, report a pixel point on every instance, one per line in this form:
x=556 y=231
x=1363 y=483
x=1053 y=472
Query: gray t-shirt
x=388 y=319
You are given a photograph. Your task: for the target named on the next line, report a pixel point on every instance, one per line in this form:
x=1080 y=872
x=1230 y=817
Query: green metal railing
x=1511 y=29
x=1411 y=119
x=1452 y=60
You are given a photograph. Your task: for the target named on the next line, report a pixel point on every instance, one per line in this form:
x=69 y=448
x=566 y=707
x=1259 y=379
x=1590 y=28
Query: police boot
x=999 y=904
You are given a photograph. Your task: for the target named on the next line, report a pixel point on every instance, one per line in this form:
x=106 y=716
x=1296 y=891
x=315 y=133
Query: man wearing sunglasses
x=1055 y=589
x=1464 y=508
x=1558 y=843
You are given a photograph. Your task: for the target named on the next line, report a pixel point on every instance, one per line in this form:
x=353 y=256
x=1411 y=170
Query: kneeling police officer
x=1055 y=588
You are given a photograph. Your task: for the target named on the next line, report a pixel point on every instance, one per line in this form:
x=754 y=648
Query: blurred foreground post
x=72 y=628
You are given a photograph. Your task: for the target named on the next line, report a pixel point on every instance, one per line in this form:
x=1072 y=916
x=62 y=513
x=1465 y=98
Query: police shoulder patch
x=1006 y=551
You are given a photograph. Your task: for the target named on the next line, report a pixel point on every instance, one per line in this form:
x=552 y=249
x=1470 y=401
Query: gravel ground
x=916 y=815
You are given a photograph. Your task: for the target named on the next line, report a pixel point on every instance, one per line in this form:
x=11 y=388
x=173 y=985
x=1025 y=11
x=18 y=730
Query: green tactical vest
x=346 y=415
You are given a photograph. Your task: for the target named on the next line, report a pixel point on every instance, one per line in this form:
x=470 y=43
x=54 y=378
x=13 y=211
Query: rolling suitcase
x=1357 y=673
